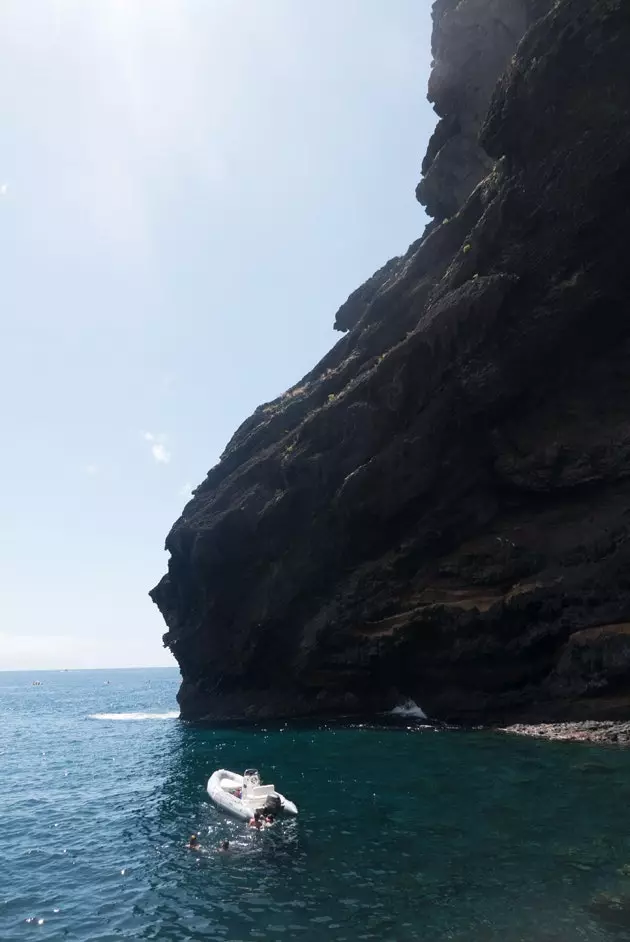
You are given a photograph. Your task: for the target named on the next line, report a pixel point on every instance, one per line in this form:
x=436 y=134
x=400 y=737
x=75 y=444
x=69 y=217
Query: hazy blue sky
x=188 y=191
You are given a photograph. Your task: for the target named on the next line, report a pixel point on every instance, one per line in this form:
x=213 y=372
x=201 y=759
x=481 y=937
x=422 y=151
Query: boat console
x=255 y=793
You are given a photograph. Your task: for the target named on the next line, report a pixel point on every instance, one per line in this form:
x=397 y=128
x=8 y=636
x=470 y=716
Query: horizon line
x=68 y=670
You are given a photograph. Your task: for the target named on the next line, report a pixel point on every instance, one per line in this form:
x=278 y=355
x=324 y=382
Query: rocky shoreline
x=591 y=731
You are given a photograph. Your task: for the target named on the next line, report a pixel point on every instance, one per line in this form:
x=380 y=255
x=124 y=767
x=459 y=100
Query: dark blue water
x=404 y=834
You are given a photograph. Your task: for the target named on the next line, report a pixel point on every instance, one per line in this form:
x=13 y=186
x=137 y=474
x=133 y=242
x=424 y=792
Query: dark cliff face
x=441 y=508
x=473 y=43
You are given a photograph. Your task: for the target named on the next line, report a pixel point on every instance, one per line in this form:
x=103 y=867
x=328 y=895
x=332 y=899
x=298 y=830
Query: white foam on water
x=409 y=708
x=171 y=715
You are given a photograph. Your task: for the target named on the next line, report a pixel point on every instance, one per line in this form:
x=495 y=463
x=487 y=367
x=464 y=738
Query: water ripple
x=403 y=834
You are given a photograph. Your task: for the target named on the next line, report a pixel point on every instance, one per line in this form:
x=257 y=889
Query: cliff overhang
x=440 y=509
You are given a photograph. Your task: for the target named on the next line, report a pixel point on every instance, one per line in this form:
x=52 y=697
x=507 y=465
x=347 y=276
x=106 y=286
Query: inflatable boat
x=242 y=795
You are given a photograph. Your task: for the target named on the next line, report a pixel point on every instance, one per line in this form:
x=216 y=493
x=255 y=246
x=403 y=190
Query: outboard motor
x=273 y=805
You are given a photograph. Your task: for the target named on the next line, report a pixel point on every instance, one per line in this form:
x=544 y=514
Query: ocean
x=405 y=832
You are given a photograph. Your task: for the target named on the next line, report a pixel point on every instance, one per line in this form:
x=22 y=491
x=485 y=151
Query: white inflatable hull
x=237 y=806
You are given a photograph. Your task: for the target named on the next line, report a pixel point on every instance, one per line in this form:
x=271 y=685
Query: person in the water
x=269 y=820
x=256 y=821
x=224 y=845
x=193 y=843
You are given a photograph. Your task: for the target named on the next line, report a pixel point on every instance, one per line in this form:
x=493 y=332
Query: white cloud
x=4 y=189
x=91 y=469
x=185 y=490
x=161 y=454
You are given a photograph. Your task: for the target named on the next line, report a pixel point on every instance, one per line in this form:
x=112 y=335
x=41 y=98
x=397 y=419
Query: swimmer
x=269 y=820
x=256 y=821
x=193 y=843
x=223 y=846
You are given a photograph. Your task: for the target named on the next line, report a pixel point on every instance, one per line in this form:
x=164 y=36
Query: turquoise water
x=404 y=833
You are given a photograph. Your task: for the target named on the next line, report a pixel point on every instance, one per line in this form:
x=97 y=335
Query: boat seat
x=260 y=791
x=229 y=785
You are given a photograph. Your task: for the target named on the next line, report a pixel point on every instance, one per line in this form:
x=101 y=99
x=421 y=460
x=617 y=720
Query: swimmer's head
x=193 y=838
x=225 y=845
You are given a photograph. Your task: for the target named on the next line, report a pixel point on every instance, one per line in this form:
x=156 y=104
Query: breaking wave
x=409 y=708
x=171 y=715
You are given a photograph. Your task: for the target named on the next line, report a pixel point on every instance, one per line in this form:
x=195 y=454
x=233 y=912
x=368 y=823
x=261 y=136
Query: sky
x=189 y=189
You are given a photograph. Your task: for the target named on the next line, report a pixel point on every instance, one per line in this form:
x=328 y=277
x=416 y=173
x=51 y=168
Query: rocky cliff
x=441 y=508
